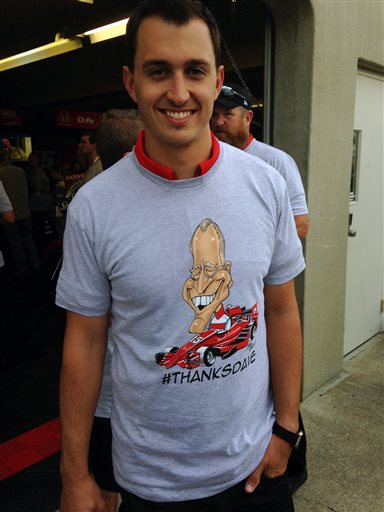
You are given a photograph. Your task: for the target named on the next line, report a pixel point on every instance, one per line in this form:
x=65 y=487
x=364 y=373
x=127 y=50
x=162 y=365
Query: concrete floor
x=345 y=431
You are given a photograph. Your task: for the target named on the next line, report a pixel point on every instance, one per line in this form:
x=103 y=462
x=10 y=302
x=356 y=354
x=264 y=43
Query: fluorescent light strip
x=110 y=31
x=95 y=35
x=40 y=53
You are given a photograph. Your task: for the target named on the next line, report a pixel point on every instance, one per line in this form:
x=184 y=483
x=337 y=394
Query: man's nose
x=219 y=120
x=178 y=91
x=202 y=282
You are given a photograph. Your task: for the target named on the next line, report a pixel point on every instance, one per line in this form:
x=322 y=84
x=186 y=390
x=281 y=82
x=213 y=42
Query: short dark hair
x=178 y=12
x=91 y=135
x=117 y=135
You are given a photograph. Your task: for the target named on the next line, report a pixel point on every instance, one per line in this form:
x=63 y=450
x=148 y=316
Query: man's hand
x=82 y=496
x=273 y=464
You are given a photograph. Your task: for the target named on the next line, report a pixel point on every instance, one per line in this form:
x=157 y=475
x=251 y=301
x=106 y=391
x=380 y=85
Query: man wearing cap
x=231 y=120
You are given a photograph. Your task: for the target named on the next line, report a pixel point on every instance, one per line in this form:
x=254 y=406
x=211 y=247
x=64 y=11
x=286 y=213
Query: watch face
x=299 y=438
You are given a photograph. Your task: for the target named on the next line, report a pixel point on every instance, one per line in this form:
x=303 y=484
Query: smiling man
x=188 y=439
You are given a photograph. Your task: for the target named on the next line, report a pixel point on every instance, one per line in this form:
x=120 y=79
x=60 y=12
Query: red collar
x=250 y=139
x=167 y=172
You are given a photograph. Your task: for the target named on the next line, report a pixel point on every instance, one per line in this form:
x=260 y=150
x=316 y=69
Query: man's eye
x=196 y=72
x=157 y=72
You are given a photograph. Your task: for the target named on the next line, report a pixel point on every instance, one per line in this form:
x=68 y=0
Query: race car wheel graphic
x=171 y=349
x=207 y=357
x=159 y=357
x=253 y=330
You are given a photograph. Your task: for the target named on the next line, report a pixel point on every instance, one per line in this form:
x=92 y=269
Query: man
x=19 y=233
x=6 y=213
x=231 y=121
x=186 y=436
x=88 y=149
x=117 y=134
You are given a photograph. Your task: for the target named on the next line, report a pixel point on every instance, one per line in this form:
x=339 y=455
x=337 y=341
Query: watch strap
x=291 y=437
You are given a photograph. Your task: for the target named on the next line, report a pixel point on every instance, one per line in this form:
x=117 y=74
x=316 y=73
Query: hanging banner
x=9 y=117
x=74 y=119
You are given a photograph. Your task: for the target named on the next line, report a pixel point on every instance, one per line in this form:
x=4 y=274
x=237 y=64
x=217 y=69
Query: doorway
x=364 y=287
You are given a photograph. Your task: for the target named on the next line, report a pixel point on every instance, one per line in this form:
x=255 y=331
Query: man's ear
x=249 y=116
x=129 y=83
x=219 y=79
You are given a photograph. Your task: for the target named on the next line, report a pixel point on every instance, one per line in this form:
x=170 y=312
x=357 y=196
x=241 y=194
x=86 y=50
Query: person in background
x=19 y=233
x=57 y=176
x=40 y=199
x=6 y=216
x=116 y=136
x=177 y=230
x=6 y=213
x=88 y=149
x=231 y=122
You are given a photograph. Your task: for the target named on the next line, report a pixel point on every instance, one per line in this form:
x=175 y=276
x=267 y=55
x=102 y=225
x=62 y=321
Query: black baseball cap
x=234 y=95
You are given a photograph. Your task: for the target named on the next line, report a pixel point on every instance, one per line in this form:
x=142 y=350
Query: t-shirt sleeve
x=82 y=286
x=5 y=203
x=295 y=186
x=287 y=259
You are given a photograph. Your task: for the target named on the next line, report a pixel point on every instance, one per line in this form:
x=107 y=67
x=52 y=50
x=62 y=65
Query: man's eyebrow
x=164 y=63
x=154 y=62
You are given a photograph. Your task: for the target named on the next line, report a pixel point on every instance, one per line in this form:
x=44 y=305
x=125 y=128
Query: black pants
x=271 y=495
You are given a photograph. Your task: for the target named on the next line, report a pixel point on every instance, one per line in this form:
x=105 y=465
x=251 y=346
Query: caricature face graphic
x=210 y=280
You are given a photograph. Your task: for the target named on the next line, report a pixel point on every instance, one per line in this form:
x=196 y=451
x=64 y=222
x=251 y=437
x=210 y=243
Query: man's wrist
x=292 y=437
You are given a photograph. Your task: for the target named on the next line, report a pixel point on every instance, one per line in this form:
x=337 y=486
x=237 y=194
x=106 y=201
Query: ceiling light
x=60 y=46
x=116 y=29
x=40 y=53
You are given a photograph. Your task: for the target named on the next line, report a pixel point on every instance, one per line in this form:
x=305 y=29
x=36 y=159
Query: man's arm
x=285 y=358
x=8 y=217
x=302 y=225
x=85 y=344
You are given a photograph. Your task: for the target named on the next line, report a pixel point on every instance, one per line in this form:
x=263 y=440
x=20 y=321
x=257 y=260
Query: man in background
x=88 y=149
x=117 y=134
x=19 y=234
x=231 y=121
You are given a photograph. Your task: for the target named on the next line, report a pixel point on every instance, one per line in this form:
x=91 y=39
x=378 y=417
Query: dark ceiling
x=26 y=24
x=90 y=79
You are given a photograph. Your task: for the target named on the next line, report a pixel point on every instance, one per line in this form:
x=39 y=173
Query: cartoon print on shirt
x=220 y=331
x=210 y=279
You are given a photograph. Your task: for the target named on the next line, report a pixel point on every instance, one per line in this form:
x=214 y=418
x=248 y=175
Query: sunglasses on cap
x=228 y=92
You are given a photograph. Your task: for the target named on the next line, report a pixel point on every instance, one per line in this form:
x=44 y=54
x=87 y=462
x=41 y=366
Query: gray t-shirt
x=288 y=169
x=185 y=424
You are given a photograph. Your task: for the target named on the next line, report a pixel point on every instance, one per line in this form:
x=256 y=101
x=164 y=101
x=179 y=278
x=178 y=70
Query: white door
x=365 y=262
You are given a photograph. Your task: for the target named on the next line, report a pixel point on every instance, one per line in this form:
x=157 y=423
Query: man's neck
x=94 y=157
x=184 y=160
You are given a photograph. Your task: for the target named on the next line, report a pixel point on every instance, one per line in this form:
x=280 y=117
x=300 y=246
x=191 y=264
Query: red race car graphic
x=204 y=348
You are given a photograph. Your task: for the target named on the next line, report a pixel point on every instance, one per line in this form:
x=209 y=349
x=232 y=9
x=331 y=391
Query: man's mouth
x=178 y=115
x=201 y=301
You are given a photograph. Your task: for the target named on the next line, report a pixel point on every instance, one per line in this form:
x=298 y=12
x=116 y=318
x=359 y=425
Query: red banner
x=74 y=119
x=9 y=117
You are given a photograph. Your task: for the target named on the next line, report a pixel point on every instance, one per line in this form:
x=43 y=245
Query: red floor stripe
x=29 y=448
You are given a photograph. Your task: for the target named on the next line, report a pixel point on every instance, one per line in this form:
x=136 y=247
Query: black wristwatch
x=287 y=435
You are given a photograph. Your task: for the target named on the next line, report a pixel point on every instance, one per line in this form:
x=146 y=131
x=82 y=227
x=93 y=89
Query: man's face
x=231 y=125
x=85 y=147
x=210 y=279
x=175 y=83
